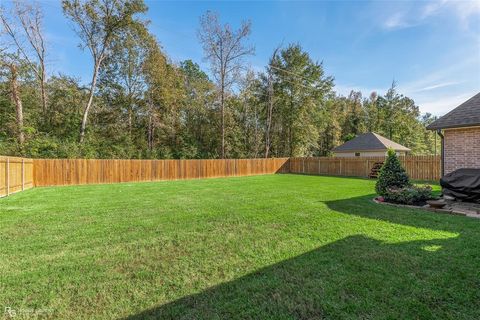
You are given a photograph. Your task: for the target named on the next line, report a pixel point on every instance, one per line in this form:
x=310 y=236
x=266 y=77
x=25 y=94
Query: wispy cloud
x=410 y=16
x=432 y=8
x=442 y=105
x=442 y=77
x=438 y=85
x=434 y=92
x=437 y=93
x=465 y=10
x=396 y=21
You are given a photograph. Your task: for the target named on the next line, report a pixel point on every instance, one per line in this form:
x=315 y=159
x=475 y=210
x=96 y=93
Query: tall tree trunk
x=222 y=110
x=89 y=103
x=269 y=115
x=246 y=129
x=255 y=131
x=150 y=133
x=270 y=103
x=290 y=127
x=18 y=103
x=130 y=111
x=43 y=89
x=130 y=115
x=150 y=128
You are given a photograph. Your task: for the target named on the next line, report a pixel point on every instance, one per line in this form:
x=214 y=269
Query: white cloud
x=428 y=99
x=440 y=105
x=442 y=77
x=466 y=9
x=437 y=93
x=396 y=21
x=438 y=85
x=432 y=8
x=407 y=17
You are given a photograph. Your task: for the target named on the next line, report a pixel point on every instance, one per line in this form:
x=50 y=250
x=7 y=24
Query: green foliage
x=146 y=106
x=392 y=175
x=349 y=137
x=300 y=91
x=408 y=195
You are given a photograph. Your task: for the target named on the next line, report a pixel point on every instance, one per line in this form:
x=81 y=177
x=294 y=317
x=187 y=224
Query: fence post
x=23 y=174
x=7 y=176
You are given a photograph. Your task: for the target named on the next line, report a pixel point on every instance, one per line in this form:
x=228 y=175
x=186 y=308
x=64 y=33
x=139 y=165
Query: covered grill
x=462 y=184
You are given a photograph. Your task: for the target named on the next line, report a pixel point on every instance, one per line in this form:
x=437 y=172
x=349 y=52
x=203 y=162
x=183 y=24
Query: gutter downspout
x=439 y=132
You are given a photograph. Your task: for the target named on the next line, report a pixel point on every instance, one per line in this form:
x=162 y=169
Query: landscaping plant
x=394 y=185
x=392 y=174
x=408 y=195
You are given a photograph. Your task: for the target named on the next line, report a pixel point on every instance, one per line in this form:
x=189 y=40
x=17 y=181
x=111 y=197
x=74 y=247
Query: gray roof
x=369 y=141
x=465 y=115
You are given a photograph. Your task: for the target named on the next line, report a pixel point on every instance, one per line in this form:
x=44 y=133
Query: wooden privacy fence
x=54 y=172
x=16 y=174
x=417 y=167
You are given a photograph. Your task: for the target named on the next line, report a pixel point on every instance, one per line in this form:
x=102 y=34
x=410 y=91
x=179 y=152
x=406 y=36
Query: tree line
x=140 y=104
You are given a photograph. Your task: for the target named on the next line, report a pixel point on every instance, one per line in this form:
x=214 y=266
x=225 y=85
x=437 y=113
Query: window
x=357 y=154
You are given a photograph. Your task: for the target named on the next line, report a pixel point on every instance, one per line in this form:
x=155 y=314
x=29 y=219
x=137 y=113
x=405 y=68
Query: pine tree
x=391 y=175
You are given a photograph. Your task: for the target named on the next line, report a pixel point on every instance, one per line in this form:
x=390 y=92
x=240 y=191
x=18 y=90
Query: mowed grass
x=263 y=247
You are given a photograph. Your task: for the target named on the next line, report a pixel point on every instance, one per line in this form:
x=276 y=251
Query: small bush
x=408 y=195
x=392 y=175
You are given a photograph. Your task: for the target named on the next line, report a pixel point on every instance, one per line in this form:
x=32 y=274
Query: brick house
x=460 y=133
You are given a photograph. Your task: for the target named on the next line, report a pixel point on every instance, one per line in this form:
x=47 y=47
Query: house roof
x=369 y=141
x=465 y=115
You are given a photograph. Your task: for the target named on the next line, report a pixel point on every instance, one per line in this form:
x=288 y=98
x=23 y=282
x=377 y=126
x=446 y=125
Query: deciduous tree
x=97 y=23
x=225 y=49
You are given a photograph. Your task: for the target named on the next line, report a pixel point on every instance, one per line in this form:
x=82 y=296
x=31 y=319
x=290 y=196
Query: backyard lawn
x=263 y=247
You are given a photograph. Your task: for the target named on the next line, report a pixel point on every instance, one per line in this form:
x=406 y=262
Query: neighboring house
x=460 y=132
x=368 y=145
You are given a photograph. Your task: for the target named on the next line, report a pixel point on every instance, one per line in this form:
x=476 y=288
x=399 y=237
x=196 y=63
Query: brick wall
x=462 y=148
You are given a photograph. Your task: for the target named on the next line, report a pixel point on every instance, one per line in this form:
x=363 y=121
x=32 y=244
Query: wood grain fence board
x=16 y=174
x=52 y=172
x=417 y=167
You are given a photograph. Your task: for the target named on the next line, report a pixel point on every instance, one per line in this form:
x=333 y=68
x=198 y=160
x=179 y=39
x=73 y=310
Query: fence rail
x=417 y=167
x=16 y=174
x=53 y=172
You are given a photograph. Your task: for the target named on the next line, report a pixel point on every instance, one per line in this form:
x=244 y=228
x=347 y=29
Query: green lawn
x=264 y=247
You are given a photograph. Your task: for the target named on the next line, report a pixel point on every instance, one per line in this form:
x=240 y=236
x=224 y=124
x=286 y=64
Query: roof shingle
x=465 y=115
x=369 y=141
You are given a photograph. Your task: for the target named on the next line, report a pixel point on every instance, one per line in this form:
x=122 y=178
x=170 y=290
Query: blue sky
x=430 y=48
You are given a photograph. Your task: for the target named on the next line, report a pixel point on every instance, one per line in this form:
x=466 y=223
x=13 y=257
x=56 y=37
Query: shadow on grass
x=365 y=207
x=356 y=277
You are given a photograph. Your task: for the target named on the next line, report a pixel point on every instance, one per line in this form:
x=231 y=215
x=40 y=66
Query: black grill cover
x=462 y=184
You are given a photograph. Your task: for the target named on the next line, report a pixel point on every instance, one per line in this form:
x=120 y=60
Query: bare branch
x=225 y=50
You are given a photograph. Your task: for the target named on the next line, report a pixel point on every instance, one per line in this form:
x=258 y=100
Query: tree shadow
x=355 y=277
x=365 y=207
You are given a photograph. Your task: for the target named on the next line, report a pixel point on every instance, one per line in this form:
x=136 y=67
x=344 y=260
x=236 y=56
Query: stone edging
x=428 y=208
